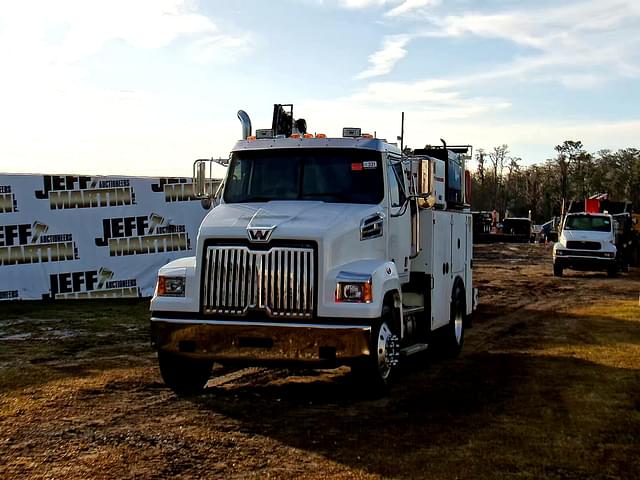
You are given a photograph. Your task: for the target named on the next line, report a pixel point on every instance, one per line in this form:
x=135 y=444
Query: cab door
x=399 y=223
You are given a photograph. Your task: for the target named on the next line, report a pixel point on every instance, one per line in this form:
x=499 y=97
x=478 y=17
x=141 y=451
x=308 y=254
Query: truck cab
x=321 y=251
x=587 y=242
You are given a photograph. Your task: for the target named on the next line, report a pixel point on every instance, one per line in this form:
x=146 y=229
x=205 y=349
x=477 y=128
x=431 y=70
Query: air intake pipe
x=246 y=124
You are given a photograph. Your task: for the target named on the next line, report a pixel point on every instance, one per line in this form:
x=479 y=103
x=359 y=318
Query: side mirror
x=424 y=177
x=204 y=185
x=426 y=195
x=200 y=178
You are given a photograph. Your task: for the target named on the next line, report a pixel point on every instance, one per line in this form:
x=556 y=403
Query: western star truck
x=320 y=251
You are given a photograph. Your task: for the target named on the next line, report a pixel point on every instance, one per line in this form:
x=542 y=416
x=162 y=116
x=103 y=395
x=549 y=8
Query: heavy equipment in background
x=322 y=252
x=488 y=228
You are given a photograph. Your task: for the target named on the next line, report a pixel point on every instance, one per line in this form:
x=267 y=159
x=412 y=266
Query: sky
x=144 y=87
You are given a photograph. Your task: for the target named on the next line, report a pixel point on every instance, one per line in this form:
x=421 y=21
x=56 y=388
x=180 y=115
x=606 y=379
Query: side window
x=396 y=184
x=235 y=180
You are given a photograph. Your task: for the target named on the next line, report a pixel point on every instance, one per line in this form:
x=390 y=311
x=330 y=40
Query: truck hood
x=585 y=235
x=289 y=219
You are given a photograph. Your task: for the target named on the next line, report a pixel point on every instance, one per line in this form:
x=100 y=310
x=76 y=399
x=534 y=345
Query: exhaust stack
x=246 y=123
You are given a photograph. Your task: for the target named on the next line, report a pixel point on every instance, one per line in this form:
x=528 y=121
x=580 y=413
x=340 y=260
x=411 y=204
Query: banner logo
x=31 y=243
x=70 y=192
x=141 y=235
x=175 y=189
x=90 y=284
x=8 y=202
x=179 y=189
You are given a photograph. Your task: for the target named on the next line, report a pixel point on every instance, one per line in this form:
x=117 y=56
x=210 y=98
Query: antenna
x=402 y=134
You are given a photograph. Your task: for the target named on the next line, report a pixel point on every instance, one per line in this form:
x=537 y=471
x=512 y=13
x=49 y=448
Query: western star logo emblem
x=261 y=226
x=260 y=234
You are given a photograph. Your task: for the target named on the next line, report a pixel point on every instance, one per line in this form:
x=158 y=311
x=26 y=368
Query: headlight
x=609 y=254
x=559 y=252
x=353 y=288
x=170 y=286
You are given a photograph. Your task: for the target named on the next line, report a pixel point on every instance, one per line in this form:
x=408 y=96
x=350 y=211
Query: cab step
x=408 y=310
x=413 y=349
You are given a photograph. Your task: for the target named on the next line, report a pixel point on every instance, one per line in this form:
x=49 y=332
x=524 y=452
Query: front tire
x=377 y=370
x=183 y=375
x=557 y=270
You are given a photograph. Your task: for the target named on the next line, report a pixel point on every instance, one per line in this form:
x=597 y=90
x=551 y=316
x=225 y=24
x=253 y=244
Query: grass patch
x=619 y=310
x=44 y=341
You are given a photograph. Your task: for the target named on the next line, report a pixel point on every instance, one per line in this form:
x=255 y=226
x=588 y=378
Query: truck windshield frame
x=592 y=223
x=332 y=175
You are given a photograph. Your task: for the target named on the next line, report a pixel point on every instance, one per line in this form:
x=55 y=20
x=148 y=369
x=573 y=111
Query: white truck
x=321 y=251
x=587 y=242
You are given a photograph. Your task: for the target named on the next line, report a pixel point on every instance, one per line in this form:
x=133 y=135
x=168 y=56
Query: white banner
x=70 y=236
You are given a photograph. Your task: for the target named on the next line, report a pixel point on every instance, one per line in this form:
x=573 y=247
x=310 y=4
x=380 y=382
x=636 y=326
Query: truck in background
x=596 y=234
x=322 y=252
x=586 y=242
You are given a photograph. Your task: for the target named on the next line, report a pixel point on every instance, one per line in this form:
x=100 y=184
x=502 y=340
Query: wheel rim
x=457 y=324
x=385 y=337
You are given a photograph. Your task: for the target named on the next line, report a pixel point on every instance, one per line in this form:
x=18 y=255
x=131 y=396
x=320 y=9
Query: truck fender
x=181 y=267
x=384 y=279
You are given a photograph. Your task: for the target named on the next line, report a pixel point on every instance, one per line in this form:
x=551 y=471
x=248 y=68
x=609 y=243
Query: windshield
x=329 y=175
x=588 y=222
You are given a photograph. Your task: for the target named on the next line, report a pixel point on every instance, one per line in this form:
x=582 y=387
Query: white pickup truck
x=587 y=242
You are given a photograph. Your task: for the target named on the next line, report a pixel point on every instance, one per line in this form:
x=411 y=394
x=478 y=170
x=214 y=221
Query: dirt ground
x=548 y=386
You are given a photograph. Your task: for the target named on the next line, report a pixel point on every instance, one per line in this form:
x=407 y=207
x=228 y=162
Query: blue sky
x=144 y=87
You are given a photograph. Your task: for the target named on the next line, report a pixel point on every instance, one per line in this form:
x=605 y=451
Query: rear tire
x=557 y=270
x=454 y=331
x=183 y=375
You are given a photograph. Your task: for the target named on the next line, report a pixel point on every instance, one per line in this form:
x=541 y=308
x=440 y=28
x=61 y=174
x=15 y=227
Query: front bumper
x=255 y=342
x=584 y=263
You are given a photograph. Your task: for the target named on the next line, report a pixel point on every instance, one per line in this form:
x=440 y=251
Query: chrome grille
x=279 y=281
x=584 y=245
x=582 y=253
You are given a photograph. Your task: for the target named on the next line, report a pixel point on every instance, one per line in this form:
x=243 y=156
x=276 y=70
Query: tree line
x=502 y=183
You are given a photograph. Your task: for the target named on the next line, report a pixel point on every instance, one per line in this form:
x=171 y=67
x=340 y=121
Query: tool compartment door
x=458 y=243
x=441 y=279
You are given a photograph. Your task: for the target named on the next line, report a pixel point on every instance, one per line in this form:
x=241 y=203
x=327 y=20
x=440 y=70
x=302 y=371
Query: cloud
x=402 y=7
x=359 y=4
x=434 y=99
x=565 y=42
x=430 y=102
x=409 y=6
x=457 y=121
x=83 y=28
x=220 y=48
x=382 y=62
x=55 y=116
x=562 y=44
